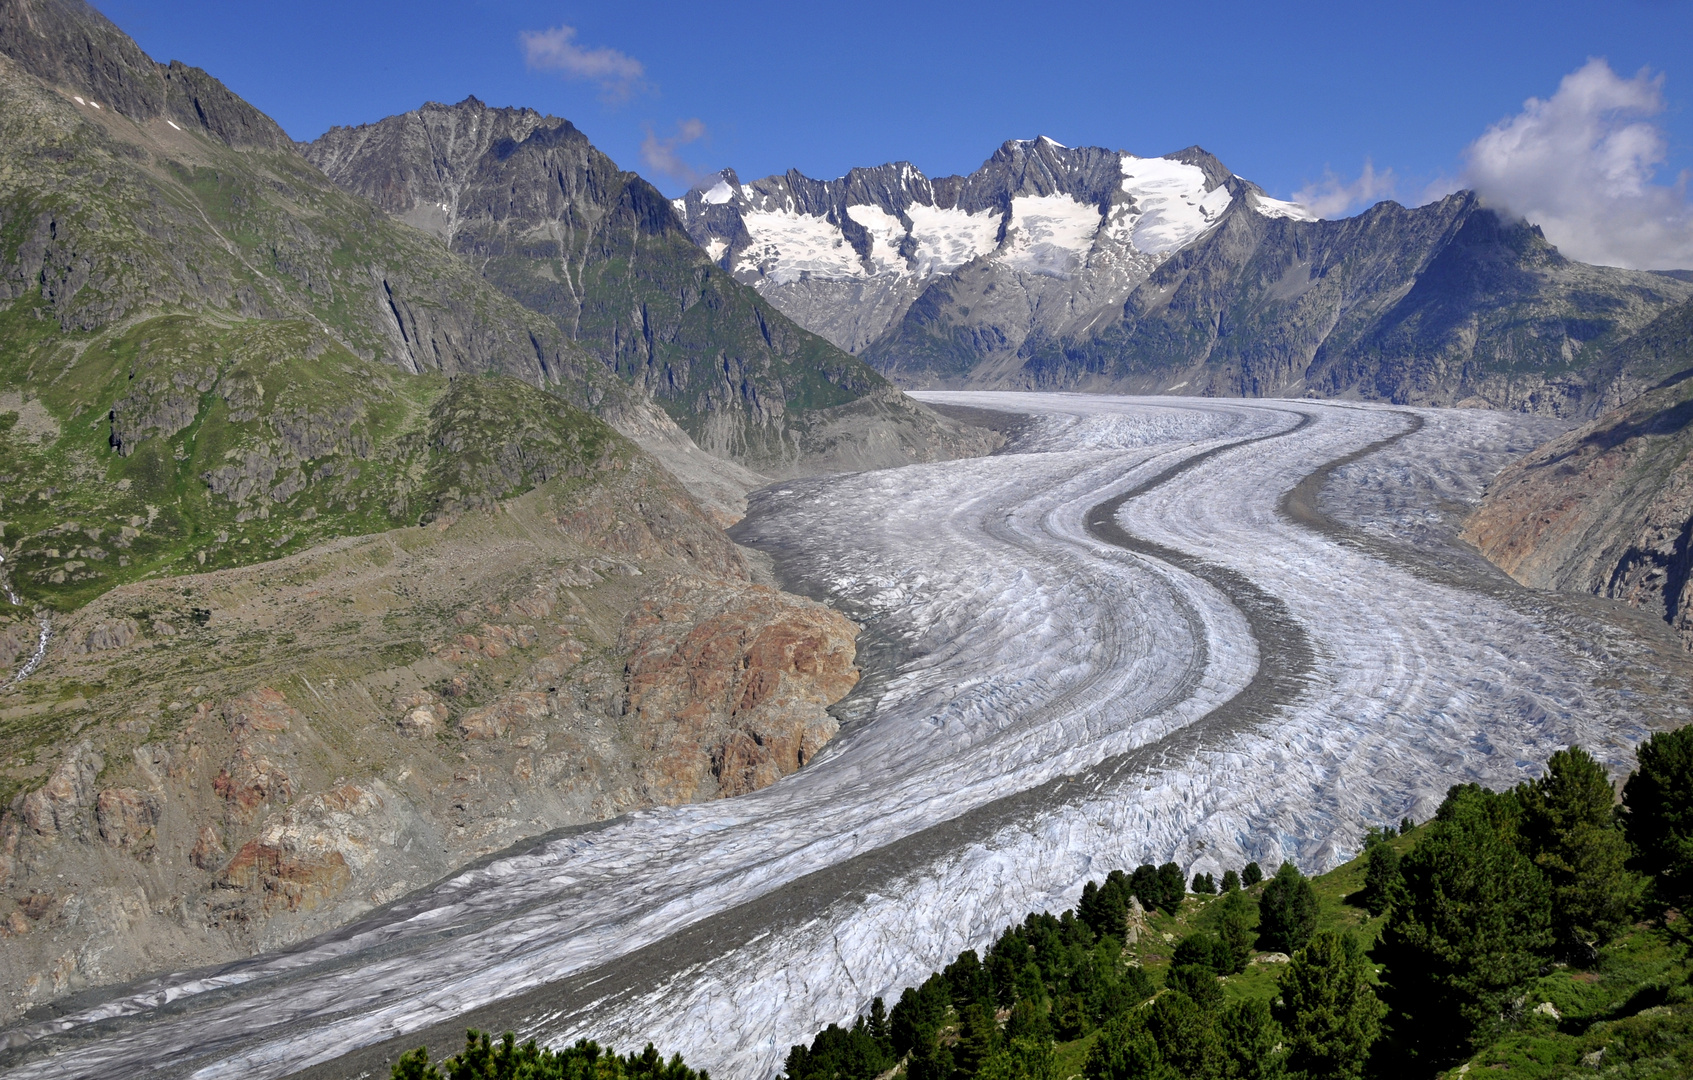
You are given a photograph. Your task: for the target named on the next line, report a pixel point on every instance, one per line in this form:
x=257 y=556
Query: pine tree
x=1174 y=887
x=880 y=1029
x=1468 y=931
x=1569 y=829
x=1287 y=912
x=1198 y=982
x=1658 y=812
x=1251 y=1042
x=1231 y=881
x=1252 y=875
x=1381 y=878
x=1234 y=929
x=1329 y=1014
x=1127 y=1050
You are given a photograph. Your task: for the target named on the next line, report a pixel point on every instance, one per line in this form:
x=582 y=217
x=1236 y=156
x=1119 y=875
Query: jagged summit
x=1053 y=266
x=67 y=43
x=1073 y=229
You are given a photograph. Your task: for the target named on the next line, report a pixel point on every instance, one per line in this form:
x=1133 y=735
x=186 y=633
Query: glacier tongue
x=1257 y=674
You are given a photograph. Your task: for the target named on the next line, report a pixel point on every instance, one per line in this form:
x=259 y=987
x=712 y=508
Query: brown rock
x=733 y=686
x=16 y=924
x=287 y=880
x=249 y=780
x=126 y=818
x=37 y=904
x=1606 y=509
x=52 y=808
x=511 y=710
x=208 y=849
x=113 y=634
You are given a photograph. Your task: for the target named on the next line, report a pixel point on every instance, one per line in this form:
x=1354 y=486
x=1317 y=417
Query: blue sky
x=1281 y=93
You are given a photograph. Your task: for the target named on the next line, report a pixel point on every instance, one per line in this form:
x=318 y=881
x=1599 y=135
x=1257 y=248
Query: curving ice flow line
x=46 y=635
x=1217 y=683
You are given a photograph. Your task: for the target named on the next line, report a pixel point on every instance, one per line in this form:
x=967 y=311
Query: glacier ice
x=1057 y=706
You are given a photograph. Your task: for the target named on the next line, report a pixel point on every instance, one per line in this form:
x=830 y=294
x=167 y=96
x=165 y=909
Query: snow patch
x=886 y=231
x=1175 y=208
x=1050 y=234
x=715 y=249
x=787 y=245
x=949 y=238
x=719 y=194
x=172 y=123
x=1278 y=208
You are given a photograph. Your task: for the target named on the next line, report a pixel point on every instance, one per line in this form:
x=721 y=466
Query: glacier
x=1159 y=628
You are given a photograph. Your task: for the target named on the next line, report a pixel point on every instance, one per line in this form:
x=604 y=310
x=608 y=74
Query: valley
x=1267 y=667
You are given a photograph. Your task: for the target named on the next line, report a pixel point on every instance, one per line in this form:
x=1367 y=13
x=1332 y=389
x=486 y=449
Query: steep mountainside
x=556 y=225
x=1057 y=267
x=1608 y=508
x=342 y=589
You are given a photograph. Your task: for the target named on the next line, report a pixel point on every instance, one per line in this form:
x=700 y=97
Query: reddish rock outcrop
x=127 y=819
x=730 y=689
x=1606 y=509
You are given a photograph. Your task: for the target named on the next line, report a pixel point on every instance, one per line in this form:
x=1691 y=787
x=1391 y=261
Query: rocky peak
x=847 y=257
x=69 y=44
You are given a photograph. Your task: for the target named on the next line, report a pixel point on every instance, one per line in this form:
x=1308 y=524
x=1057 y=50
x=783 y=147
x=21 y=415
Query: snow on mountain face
x=1068 y=231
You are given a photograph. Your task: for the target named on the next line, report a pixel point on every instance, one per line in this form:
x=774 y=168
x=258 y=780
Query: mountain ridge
x=551 y=221
x=1099 y=270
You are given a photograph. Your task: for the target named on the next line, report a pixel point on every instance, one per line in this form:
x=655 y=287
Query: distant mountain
x=1082 y=268
x=555 y=224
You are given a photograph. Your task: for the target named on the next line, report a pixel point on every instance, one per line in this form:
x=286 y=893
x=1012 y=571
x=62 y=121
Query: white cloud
x=661 y=155
x=618 y=75
x=1332 y=197
x=1582 y=164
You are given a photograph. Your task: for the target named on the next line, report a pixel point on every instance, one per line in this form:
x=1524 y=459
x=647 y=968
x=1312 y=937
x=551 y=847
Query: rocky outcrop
x=1606 y=509
x=730 y=688
x=372 y=713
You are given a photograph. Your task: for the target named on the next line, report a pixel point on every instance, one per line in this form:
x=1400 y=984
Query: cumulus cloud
x=618 y=75
x=1582 y=165
x=1333 y=197
x=662 y=155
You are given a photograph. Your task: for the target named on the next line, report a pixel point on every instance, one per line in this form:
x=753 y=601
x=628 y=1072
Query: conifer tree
x=1569 y=829
x=1252 y=875
x=1251 y=1042
x=1174 y=887
x=1468 y=931
x=1287 y=912
x=1658 y=812
x=1381 y=878
x=1234 y=929
x=1231 y=881
x=1329 y=1014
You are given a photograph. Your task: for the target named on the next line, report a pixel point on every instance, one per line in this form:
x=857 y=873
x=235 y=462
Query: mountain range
x=1054 y=267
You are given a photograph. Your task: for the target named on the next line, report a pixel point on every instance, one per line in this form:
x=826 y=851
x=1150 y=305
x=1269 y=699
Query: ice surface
x=1280 y=208
x=1060 y=707
x=949 y=238
x=719 y=193
x=1173 y=203
x=886 y=232
x=786 y=244
x=1049 y=234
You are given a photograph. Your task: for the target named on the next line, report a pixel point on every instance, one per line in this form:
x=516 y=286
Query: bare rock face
x=1606 y=509
x=126 y=819
x=730 y=689
x=55 y=807
x=373 y=713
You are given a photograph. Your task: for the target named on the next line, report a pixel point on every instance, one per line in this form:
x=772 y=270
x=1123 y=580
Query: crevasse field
x=1229 y=664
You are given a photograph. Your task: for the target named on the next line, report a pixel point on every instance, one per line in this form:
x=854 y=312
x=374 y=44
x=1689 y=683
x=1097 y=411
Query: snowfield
x=1229 y=665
